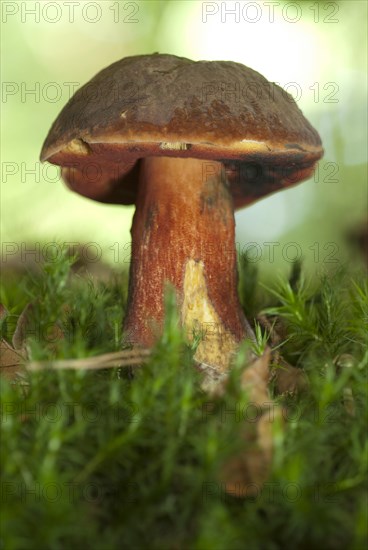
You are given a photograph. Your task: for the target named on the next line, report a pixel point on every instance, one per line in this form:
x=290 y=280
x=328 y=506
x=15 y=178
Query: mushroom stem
x=183 y=233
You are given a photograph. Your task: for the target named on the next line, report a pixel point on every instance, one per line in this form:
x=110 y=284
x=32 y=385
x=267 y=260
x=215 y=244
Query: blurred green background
x=315 y=50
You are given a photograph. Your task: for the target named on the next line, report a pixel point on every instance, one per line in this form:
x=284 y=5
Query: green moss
x=129 y=458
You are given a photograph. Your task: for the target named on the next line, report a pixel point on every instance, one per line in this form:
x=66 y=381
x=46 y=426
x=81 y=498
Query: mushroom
x=186 y=142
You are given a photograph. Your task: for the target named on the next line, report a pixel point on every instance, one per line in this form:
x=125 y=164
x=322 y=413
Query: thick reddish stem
x=183 y=233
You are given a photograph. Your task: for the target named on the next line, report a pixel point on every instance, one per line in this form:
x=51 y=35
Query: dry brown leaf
x=26 y=326
x=11 y=361
x=289 y=379
x=255 y=378
x=244 y=474
x=23 y=327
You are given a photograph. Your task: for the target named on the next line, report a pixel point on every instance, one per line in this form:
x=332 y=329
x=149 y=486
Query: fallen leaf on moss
x=255 y=378
x=11 y=361
x=22 y=329
x=288 y=379
x=245 y=474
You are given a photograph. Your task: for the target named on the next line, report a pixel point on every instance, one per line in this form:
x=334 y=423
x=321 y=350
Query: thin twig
x=117 y=359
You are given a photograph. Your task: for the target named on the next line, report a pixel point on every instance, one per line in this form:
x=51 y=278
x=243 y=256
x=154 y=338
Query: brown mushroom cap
x=163 y=105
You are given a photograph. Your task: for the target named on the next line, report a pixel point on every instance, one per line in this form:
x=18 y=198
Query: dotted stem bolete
x=187 y=143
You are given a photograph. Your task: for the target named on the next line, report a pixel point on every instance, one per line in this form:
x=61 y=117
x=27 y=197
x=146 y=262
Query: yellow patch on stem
x=217 y=344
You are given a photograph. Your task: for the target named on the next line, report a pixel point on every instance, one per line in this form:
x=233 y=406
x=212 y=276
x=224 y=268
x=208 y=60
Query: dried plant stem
x=106 y=361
